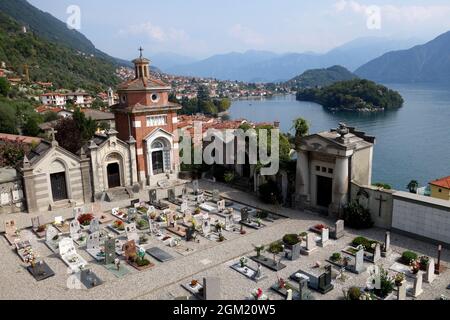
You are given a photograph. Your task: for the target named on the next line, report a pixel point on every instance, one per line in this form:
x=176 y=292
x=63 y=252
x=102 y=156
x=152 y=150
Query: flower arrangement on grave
x=303 y=236
x=41 y=228
x=369 y=245
x=281 y=283
x=408 y=257
x=319 y=227
x=219 y=227
x=424 y=262
x=354 y=293
x=291 y=239
x=142 y=224
x=258 y=250
x=399 y=278
x=85 y=219
x=415 y=266
x=243 y=261
x=336 y=257
x=386 y=284
x=257 y=294
x=197 y=211
x=258 y=222
x=119 y=225
x=143 y=239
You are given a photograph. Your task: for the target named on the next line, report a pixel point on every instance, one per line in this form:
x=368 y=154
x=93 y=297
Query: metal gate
x=59 y=186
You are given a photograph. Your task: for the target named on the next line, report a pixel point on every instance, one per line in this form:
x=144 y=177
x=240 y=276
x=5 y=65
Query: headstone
x=93 y=241
x=171 y=195
x=221 y=205
x=429 y=275
x=289 y=294
x=4 y=198
x=211 y=288
x=110 y=251
x=206 y=227
x=228 y=223
x=77 y=211
x=195 y=186
x=190 y=232
x=184 y=206
x=359 y=261
x=259 y=272
x=417 y=289
x=66 y=246
x=94 y=226
x=310 y=241
x=377 y=253
x=215 y=195
x=325 y=237
x=184 y=192
x=36 y=222
x=10 y=227
x=153 y=196
x=187 y=217
x=75 y=229
x=50 y=233
x=200 y=199
x=244 y=214
x=303 y=288
x=339 y=229
x=401 y=291
x=131 y=232
x=135 y=203
x=295 y=251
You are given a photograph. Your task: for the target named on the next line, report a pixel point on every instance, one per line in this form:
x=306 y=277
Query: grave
x=24 y=250
x=70 y=256
x=119 y=213
x=93 y=247
x=11 y=232
x=303 y=291
x=118 y=226
x=221 y=206
x=153 y=196
x=401 y=291
x=38 y=226
x=119 y=271
x=135 y=256
x=76 y=233
x=268 y=263
x=310 y=244
x=318 y=279
x=339 y=230
x=285 y=289
x=358 y=267
x=172 y=197
x=430 y=273
x=195 y=288
x=62 y=226
x=52 y=238
x=386 y=250
x=110 y=251
x=89 y=279
x=94 y=226
x=249 y=272
x=131 y=232
x=196 y=188
x=325 y=237
x=215 y=195
x=417 y=288
x=292 y=252
x=159 y=254
x=40 y=271
x=248 y=222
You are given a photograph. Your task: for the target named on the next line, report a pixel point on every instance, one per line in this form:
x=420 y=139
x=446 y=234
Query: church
x=142 y=153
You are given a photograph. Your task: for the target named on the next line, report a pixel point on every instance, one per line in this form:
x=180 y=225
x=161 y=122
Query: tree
x=31 y=126
x=203 y=93
x=412 y=186
x=301 y=127
x=4 y=87
x=8 y=120
x=11 y=152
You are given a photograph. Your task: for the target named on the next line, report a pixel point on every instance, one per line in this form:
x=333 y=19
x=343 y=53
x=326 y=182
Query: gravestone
x=259 y=273
x=195 y=186
x=221 y=205
x=129 y=250
x=200 y=199
x=184 y=192
x=215 y=195
x=325 y=281
x=401 y=291
x=417 y=289
x=244 y=214
x=170 y=219
x=211 y=288
x=171 y=195
x=187 y=217
x=325 y=237
x=338 y=229
x=110 y=251
x=295 y=251
x=190 y=232
x=10 y=228
x=184 y=206
x=131 y=232
x=94 y=226
x=387 y=244
x=359 y=261
x=377 y=253
x=36 y=222
x=206 y=227
x=228 y=223
x=153 y=196
x=51 y=233
x=77 y=211
x=135 y=203
x=310 y=242
x=75 y=229
x=429 y=275
x=303 y=289
x=93 y=241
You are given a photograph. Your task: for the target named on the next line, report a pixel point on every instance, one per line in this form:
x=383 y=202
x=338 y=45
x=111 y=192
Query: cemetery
x=211 y=245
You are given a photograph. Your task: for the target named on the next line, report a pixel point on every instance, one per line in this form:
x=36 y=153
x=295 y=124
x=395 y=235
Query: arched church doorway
x=113 y=170
x=160 y=156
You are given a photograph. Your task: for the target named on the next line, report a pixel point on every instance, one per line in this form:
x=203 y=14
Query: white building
x=53 y=99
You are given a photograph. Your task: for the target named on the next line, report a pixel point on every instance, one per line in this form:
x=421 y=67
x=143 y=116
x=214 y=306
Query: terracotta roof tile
x=443 y=182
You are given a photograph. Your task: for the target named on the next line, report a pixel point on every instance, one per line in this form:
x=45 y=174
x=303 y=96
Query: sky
x=201 y=28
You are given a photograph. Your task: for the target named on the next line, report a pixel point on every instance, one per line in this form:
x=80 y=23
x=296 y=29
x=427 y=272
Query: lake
x=413 y=142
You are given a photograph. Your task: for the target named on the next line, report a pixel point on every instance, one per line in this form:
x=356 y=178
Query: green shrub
x=291 y=239
x=366 y=243
x=229 y=177
x=270 y=193
x=408 y=257
x=354 y=293
x=357 y=217
x=335 y=257
x=262 y=214
x=386 y=284
x=275 y=247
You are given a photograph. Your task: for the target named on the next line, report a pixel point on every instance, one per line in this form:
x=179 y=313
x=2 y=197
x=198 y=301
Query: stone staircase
x=118 y=194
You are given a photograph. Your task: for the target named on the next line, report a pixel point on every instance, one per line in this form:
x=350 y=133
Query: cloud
x=246 y=35
x=393 y=13
x=155 y=33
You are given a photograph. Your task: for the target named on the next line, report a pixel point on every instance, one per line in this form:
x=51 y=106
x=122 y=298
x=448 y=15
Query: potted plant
x=415 y=266
x=243 y=261
x=424 y=262
x=197 y=211
x=258 y=250
x=336 y=257
x=408 y=257
x=119 y=225
x=412 y=186
x=275 y=248
x=399 y=278
x=85 y=219
x=354 y=293
x=290 y=240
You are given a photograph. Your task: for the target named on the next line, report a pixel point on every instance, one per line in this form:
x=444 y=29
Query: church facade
x=327 y=164
x=140 y=154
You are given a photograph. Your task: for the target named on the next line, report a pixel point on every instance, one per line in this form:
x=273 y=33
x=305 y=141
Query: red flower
x=85 y=219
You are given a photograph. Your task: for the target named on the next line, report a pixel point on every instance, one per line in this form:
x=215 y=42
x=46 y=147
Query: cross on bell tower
x=140 y=50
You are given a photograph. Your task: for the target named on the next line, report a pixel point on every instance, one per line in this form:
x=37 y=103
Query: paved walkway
x=211 y=259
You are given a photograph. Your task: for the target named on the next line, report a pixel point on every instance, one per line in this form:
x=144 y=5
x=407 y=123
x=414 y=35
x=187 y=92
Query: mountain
x=263 y=66
x=321 y=77
x=427 y=63
x=167 y=60
x=50 y=28
x=50 y=61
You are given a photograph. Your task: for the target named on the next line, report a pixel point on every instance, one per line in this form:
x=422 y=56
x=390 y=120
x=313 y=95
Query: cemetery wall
x=370 y=198
x=11 y=192
x=422 y=217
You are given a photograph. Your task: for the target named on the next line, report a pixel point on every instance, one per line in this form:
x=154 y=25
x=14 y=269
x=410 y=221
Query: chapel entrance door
x=113 y=175
x=324 y=191
x=59 y=186
x=158 y=162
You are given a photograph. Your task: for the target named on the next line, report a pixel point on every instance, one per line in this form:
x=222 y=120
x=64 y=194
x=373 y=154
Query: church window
x=330 y=171
x=324 y=169
x=155 y=97
x=154 y=121
x=317 y=168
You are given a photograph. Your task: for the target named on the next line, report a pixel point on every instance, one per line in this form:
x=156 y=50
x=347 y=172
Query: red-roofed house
x=440 y=188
